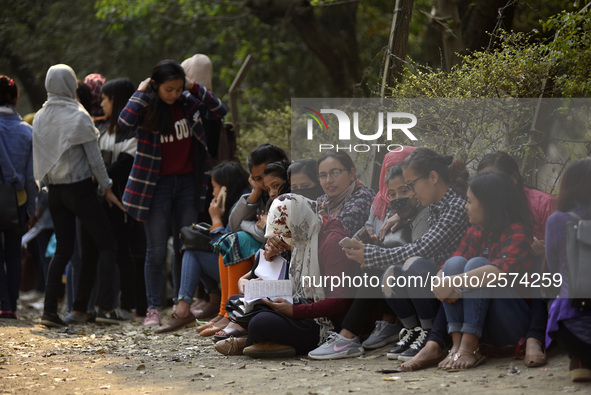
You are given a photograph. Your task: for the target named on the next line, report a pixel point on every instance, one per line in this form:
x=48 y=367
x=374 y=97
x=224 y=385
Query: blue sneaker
x=384 y=333
x=336 y=347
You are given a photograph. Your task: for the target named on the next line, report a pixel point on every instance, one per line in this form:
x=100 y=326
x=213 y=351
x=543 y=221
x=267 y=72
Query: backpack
x=578 y=260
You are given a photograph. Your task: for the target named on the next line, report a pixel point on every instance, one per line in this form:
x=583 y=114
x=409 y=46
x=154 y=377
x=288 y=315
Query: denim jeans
x=413 y=300
x=173 y=204
x=195 y=265
x=10 y=264
x=66 y=202
x=498 y=321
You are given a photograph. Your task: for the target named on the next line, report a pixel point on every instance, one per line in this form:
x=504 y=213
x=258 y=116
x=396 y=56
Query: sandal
x=479 y=359
x=414 y=365
x=446 y=363
x=228 y=332
x=221 y=324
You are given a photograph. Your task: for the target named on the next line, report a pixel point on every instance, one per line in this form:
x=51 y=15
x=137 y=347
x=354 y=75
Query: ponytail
x=451 y=170
x=458 y=177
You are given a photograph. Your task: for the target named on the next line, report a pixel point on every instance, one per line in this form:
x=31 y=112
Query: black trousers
x=66 y=202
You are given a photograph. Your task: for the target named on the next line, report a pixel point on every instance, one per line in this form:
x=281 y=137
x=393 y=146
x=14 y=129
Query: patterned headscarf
x=95 y=82
x=293 y=218
x=382 y=200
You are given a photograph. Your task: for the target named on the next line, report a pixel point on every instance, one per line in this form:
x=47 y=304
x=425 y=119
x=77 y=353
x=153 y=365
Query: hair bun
x=448 y=160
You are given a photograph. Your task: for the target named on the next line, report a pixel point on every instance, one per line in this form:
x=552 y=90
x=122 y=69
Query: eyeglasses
x=410 y=184
x=334 y=173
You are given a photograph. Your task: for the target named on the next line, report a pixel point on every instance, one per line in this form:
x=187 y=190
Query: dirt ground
x=129 y=358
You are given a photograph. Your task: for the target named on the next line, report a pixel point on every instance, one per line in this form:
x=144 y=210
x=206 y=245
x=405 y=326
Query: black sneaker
x=52 y=321
x=407 y=337
x=415 y=347
x=109 y=317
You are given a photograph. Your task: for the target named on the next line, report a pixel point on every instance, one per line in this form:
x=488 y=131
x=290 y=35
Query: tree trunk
x=329 y=33
x=446 y=17
x=394 y=58
x=480 y=21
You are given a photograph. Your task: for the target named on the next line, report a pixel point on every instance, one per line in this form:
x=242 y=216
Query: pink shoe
x=153 y=318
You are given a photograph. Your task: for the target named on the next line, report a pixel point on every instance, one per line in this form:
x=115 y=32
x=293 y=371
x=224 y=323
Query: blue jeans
x=498 y=321
x=173 y=204
x=415 y=300
x=10 y=264
x=195 y=264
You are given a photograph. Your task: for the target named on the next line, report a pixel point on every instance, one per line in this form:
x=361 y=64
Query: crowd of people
x=120 y=171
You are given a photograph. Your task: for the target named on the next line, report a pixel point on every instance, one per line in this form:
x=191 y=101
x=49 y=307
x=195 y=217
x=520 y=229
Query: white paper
x=259 y=289
x=271 y=270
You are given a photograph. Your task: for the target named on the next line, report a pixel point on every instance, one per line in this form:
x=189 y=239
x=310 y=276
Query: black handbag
x=235 y=309
x=9 y=216
x=196 y=237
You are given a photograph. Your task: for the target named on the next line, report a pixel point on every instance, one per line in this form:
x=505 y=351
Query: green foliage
x=273 y=127
x=570 y=51
x=517 y=69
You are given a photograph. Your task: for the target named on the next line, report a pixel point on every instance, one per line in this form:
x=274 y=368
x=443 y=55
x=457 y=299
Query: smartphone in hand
x=222 y=197
x=347 y=243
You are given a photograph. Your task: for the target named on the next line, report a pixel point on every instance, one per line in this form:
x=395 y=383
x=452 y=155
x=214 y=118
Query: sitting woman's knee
x=454 y=265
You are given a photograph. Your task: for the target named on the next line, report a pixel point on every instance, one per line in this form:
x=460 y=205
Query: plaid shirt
x=145 y=172
x=511 y=252
x=447 y=224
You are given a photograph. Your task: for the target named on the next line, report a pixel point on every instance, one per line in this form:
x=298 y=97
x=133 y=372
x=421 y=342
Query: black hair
x=575 y=188
x=8 y=91
x=119 y=91
x=279 y=169
x=84 y=95
x=265 y=154
x=158 y=117
x=503 y=202
x=393 y=172
x=306 y=166
x=451 y=170
x=504 y=162
x=232 y=176
x=341 y=156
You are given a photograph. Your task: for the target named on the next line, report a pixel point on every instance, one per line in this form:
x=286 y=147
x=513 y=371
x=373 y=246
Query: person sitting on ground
x=275 y=181
x=434 y=180
x=346 y=198
x=498 y=243
x=570 y=321
x=196 y=263
x=541 y=205
x=303 y=179
x=297 y=328
x=242 y=222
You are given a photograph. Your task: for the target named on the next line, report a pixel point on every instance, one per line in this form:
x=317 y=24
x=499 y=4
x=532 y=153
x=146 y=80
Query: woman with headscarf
x=66 y=157
x=298 y=328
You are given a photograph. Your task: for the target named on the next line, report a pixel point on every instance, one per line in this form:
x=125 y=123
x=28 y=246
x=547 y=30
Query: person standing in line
x=66 y=157
x=16 y=162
